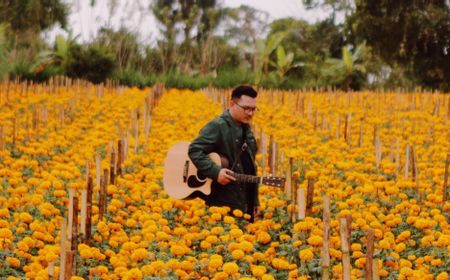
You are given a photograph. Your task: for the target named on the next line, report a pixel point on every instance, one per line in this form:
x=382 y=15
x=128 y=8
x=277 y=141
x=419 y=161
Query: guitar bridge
x=185 y=171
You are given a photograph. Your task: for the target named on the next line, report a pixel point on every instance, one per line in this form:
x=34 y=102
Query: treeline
x=383 y=44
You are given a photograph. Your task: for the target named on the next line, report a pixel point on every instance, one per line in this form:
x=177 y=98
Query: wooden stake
x=98 y=173
x=369 y=254
x=346 y=268
x=338 y=125
x=73 y=241
x=70 y=263
x=112 y=165
x=119 y=158
x=326 y=234
x=88 y=212
x=397 y=157
x=136 y=132
x=288 y=189
x=309 y=197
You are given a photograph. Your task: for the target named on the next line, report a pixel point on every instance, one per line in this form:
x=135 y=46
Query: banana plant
x=340 y=71
x=59 y=56
x=264 y=50
x=284 y=63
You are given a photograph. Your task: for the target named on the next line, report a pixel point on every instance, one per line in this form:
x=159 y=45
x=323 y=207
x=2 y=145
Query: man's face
x=242 y=109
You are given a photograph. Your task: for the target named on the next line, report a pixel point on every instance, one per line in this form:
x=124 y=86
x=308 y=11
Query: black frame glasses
x=247 y=109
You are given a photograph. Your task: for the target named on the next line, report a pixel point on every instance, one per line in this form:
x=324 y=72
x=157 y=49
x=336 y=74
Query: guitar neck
x=247 y=178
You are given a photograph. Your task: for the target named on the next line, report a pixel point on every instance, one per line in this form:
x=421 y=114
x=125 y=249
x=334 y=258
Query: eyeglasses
x=247 y=109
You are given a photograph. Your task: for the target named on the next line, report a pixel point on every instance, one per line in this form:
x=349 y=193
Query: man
x=230 y=136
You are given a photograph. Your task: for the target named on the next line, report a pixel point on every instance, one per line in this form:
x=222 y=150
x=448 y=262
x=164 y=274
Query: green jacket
x=224 y=136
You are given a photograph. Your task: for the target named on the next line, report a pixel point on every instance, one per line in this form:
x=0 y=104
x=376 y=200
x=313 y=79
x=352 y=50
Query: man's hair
x=243 y=90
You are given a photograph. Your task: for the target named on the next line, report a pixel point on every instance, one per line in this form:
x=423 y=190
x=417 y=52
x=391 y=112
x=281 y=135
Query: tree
x=416 y=36
x=35 y=15
x=183 y=22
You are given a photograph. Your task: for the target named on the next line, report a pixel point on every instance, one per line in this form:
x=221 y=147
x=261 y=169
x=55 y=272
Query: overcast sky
x=85 y=20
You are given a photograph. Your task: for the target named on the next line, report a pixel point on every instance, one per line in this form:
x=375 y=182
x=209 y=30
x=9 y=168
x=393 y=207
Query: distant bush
x=131 y=78
x=230 y=77
x=93 y=63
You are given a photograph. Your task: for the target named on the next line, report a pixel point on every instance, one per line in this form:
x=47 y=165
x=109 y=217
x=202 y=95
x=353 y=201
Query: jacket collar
x=229 y=119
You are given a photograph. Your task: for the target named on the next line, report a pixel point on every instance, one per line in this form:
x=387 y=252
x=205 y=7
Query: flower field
x=380 y=158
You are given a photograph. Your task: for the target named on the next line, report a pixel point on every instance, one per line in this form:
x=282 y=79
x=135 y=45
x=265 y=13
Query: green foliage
x=92 y=62
x=130 y=78
x=230 y=77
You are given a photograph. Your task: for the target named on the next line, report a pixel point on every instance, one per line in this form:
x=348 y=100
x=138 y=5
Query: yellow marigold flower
x=357 y=254
x=76 y=278
x=215 y=262
x=263 y=237
x=267 y=277
x=5 y=233
x=139 y=254
x=238 y=213
x=228 y=220
x=217 y=230
x=306 y=254
x=258 y=270
x=179 y=250
x=400 y=247
x=315 y=240
x=280 y=264
x=25 y=217
x=14 y=262
x=205 y=245
x=230 y=268
x=360 y=263
x=246 y=246
x=436 y=262
x=442 y=276
x=216 y=216
x=236 y=233
x=237 y=254
x=356 y=247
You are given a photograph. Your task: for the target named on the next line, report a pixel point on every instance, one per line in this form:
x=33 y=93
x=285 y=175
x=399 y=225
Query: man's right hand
x=224 y=176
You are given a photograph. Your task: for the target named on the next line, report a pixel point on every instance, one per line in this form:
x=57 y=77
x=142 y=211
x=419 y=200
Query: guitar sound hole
x=193 y=182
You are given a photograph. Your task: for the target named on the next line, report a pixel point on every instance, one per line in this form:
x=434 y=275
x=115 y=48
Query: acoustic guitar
x=182 y=179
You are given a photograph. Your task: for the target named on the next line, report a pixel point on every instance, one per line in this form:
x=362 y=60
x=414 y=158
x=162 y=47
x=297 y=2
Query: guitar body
x=181 y=177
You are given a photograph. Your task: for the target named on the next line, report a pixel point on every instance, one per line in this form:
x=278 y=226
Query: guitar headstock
x=274 y=181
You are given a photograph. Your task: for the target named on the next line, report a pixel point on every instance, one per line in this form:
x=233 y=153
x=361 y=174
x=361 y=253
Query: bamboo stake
x=444 y=191
x=264 y=152
x=397 y=157
x=301 y=203
x=407 y=163
x=369 y=254
x=345 y=250
x=136 y=132
x=326 y=234
x=338 y=125
x=70 y=260
x=83 y=212
x=73 y=241
x=375 y=274
x=62 y=255
x=51 y=270
x=309 y=197
x=294 y=191
x=70 y=207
